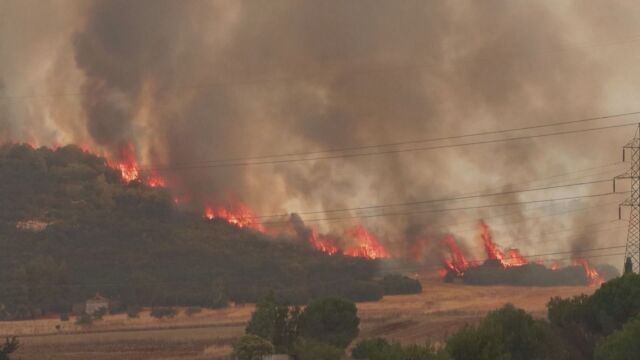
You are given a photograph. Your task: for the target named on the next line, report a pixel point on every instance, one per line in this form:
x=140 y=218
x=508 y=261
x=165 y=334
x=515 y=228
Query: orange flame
x=457 y=262
x=512 y=256
x=593 y=277
x=367 y=245
x=128 y=165
x=326 y=245
x=154 y=180
x=130 y=171
x=239 y=214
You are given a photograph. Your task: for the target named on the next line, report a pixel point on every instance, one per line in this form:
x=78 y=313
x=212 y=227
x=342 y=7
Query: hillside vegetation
x=70 y=228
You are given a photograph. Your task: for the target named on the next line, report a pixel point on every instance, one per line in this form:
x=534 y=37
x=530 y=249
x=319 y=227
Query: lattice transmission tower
x=632 y=251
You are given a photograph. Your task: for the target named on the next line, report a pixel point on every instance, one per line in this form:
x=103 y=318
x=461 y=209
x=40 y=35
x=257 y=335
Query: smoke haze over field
x=192 y=81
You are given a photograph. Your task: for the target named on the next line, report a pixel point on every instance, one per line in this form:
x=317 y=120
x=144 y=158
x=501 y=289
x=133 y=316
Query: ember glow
x=366 y=246
x=155 y=180
x=238 y=214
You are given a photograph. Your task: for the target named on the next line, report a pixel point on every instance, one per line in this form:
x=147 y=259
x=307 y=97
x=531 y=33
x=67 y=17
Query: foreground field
x=430 y=316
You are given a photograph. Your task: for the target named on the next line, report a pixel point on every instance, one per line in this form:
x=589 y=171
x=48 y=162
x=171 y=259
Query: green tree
x=507 y=333
x=577 y=311
x=278 y=323
x=251 y=347
x=622 y=344
x=330 y=320
x=10 y=346
x=616 y=302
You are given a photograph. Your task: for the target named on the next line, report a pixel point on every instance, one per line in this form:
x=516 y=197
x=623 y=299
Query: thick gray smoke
x=192 y=81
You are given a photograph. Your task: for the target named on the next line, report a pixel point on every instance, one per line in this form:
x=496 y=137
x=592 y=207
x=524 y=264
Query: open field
x=438 y=311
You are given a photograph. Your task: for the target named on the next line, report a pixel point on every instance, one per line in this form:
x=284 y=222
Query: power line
x=419 y=141
x=385 y=152
x=430 y=201
x=447 y=209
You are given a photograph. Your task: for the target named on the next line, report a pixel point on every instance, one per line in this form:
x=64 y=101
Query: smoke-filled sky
x=192 y=81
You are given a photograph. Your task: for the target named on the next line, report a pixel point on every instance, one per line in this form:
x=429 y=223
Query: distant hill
x=70 y=228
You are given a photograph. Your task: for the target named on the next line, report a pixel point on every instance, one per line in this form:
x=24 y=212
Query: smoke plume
x=188 y=82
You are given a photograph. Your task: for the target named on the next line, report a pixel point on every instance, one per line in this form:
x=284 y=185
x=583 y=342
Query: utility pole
x=632 y=251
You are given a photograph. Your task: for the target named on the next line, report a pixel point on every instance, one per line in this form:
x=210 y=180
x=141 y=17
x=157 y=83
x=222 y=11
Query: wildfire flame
x=458 y=264
x=130 y=171
x=367 y=244
x=127 y=164
x=239 y=214
x=594 y=278
x=326 y=245
x=155 y=180
x=512 y=256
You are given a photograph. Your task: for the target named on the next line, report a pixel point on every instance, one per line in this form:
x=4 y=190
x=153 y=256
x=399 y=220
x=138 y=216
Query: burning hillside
x=510 y=267
x=358 y=241
x=324 y=120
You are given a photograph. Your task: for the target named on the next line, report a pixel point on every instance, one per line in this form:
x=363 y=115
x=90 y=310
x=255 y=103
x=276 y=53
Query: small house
x=32 y=225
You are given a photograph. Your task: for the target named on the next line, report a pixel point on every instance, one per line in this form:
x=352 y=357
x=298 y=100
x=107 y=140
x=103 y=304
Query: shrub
x=313 y=350
x=398 y=284
x=251 y=347
x=10 y=346
x=367 y=348
x=331 y=320
x=64 y=316
x=84 y=319
x=193 y=310
x=380 y=349
x=133 y=311
x=163 y=312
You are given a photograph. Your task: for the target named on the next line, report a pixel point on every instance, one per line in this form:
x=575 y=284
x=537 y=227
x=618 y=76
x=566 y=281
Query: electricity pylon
x=632 y=251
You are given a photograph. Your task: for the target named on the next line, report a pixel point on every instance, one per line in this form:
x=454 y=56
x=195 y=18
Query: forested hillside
x=70 y=228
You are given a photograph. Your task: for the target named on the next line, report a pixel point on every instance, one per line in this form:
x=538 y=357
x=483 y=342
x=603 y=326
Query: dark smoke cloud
x=188 y=81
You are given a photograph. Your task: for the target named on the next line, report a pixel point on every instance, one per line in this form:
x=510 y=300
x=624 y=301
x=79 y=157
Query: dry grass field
x=430 y=316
